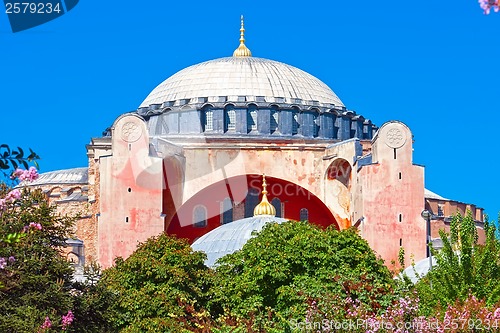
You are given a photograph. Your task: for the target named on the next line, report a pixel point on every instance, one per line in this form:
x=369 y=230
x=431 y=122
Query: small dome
x=264 y=207
x=242 y=50
x=231 y=237
x=247 y=77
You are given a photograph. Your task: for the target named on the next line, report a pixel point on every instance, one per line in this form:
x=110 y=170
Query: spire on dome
x=264 y=208
x=242 y=50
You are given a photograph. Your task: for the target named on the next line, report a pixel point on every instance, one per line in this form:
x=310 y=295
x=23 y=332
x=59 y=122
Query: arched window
x=226 y=211
x=200 y=216
x=274 y=119
x=251 y=201
x=277 y=205
x=304 y=214
x=230 y=118
x=252 y=118
x=209 y=118
x=73 y=259
x=295 y=123
x=55 y=192
x=315 y=124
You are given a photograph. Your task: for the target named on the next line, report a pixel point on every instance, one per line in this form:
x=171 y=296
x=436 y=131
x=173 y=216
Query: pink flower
x=46 y=324
x=3 y=262
x=496 y=314
x=486 y=5
x=3 y=204
x=17 y=173
x=34 y=226
x=30 y=175
x=33 y=174
x=67 y=320
x=13 y=195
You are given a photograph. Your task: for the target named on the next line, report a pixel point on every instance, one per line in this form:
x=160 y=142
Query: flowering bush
x=471 y=315
x=487 y=5
x=9 y=201
x=35 y=279
x=66 y=321
x=26 y=175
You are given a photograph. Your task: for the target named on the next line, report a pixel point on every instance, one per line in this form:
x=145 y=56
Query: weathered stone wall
x=445 y=209
x=84 y=228
x=130 y=192
x=135 y=191
x=391 y=192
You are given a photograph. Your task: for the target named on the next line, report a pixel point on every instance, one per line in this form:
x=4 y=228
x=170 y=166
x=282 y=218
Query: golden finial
x=242 y=50
x=264 y=208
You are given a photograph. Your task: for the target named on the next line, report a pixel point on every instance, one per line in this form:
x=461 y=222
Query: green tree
x=464 y=267
x=160 y=288
x=277 y=273
x=35 y=279
x=93 y=303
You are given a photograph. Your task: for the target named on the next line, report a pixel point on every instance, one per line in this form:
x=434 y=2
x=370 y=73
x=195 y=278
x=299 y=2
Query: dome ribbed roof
x=242 y=76
x=231 y=237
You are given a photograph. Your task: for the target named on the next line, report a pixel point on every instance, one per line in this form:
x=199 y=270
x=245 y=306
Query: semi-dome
x=231 y=237
x=246 y=78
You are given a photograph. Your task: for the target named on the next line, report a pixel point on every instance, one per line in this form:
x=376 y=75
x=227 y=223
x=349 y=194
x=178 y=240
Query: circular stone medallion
x=131 y=132
x=395 y=138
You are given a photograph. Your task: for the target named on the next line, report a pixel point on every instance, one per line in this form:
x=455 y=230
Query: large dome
x=243 y=77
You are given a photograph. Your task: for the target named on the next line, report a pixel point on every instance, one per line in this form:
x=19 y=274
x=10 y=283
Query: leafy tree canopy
x=464 y=266
x=286 y=264
x=158 y=286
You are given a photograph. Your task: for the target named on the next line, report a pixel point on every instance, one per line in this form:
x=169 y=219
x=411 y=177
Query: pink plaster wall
x=392 y=192
x=130 y=194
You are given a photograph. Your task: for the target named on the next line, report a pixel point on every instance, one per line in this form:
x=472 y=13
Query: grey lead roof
x=420 y=269
x=431 y=195
x=247 y=77
x=60 y=177
x=231 y=237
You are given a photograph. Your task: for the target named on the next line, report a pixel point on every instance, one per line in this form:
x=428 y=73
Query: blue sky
x=431 y=64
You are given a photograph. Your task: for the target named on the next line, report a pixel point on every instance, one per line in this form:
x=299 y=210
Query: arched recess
x=251 y=200
x=276 y=202
x=337 y=189
x=226 y=211
x=304 y=214
x=207 y=115
x=274 y=119
x=296 y=121
x=55 y=192
x=229 y=118
x=252 y=118
x=315 y=122
x=292 y=197
x=73 y=258
x=199 y=216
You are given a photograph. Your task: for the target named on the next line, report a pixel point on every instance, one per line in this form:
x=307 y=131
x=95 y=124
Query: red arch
x=293 y=196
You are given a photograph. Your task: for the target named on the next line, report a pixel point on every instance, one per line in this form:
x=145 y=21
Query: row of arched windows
x=227 y=210
x=309 y=120
x=264 y=121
